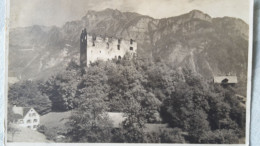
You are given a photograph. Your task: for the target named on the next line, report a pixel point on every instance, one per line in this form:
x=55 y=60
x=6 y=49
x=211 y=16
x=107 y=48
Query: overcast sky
x=57 y=12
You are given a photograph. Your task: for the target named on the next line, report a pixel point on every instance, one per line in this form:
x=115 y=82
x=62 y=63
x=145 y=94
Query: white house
x=225 y=79
x=26 y=117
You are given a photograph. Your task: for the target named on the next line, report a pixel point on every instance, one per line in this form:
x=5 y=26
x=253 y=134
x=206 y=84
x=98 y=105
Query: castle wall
x=99 y=48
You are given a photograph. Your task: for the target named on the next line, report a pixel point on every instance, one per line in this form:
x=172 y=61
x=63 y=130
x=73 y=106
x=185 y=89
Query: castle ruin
x=93 y=48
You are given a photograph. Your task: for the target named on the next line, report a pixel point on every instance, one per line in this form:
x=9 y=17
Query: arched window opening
x=107 y=45
x=131 y=41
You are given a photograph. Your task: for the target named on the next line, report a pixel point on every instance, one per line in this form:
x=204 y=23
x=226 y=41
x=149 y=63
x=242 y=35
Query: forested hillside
x=146 y=91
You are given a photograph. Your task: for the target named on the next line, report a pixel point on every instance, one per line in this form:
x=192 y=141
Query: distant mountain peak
x=196 y=11
x=111 y=10
x=107 y=11
x=199 y=15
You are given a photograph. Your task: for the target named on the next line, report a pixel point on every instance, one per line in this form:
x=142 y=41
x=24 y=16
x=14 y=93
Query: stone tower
x=83 y=48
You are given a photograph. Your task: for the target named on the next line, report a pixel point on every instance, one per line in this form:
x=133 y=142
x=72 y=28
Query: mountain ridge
x=195 y=40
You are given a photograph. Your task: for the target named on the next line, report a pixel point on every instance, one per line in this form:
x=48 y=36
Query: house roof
x=25 y=110
x=229 y=79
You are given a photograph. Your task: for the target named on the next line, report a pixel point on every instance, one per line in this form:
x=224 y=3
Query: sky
x=57 y=12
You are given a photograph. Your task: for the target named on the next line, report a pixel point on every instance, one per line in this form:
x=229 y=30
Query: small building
x=12 y=80
x=116 y=118
x=225 y=80
x=26 y=117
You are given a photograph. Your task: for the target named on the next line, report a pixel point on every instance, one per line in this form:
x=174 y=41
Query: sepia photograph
x=128 y=71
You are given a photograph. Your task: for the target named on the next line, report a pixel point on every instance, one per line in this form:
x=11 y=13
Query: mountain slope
x=208 y=46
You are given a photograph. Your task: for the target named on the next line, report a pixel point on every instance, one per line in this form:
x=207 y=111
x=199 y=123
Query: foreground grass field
x=53 y=125
x=55 y=119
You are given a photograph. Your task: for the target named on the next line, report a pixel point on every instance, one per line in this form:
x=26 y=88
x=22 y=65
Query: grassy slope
x=55 y=119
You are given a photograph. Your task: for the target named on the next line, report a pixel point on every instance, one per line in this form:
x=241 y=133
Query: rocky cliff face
x=208 y=46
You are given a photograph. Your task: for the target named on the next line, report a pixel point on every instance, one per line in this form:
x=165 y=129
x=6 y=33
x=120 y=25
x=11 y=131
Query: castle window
x=33 y=114
x=94 y=38
x=28 y=121
x=107 y=45
x=100 y=51
x=119 y=41
x=34 y=126
x=29 y=127
x=93 y=44
x=119 y=57
x=35 y=120
x=131 y=41
x=131 y=48
x=118 y=47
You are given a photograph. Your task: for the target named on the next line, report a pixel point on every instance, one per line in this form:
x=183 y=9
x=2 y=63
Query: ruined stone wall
x=108 y=48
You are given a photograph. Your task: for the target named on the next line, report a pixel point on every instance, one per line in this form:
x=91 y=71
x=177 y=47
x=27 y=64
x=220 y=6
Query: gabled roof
x=25 y=110
x=228 y=79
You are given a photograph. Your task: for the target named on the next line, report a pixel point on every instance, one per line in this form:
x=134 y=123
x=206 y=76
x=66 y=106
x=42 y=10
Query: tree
x=134 y=124
x=222 y=136
x=27 y=94
x=171 y=136
x=13 y=130
x=90 y=123
x=188 y=106
x=93 y=85
x=199 y=107
x=62 y=88
x=10 y=126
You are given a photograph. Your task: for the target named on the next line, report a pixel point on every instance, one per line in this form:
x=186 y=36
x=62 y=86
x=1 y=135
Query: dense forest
x=146 y=91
